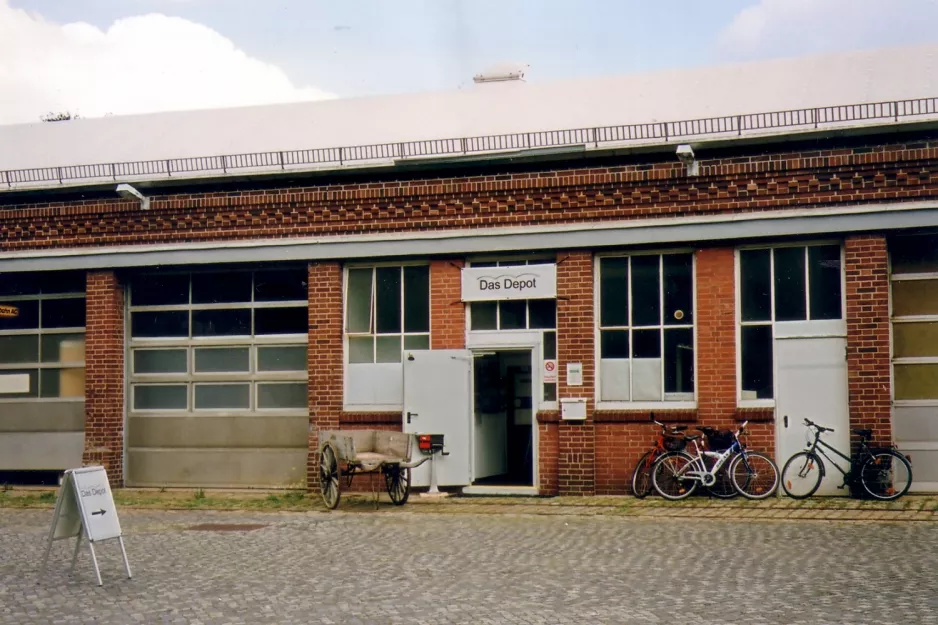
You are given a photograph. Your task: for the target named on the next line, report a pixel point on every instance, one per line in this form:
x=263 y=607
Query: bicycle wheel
x=723 y=488
x=802 y=475
x=667 y=476
x=641 y=476
x=886 y=475
x=754 y=475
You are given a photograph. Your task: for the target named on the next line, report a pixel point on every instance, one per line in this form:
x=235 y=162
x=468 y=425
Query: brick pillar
x=716 y=336
x=104 y=375
x=868 y=367
x=325 y=360
x=447 y=312
x=575 y=339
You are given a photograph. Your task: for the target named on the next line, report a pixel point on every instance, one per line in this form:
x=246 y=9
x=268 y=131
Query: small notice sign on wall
x=550 y=371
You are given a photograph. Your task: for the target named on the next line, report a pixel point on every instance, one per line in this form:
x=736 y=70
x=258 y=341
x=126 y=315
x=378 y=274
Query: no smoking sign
x=550 y=371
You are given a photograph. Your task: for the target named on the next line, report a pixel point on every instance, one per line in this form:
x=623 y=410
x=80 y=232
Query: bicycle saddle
x=863 y=433
x=691 y=437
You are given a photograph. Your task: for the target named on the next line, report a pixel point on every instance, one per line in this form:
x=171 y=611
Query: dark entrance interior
x=503 y=419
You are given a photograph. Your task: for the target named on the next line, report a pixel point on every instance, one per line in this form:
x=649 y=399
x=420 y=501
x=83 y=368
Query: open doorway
x=503 y=419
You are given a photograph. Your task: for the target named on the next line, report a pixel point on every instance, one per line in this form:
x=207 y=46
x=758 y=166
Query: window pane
x=678 y=289
x=550 y=391
x=417 y=299
x=824 y=281
x=281 y=321
x=62 y=348
x=614 y=291
x=789 y=284
x=19 y=349
x=224 y=360
x=755 y=276
x=281 y=358
x=909 y=297
x=222 y=322
x=160 y=290
x=163 y=324
x=679 y=361
x=756 y=365
x=484 y=315
x=222 y=287
x=550 y=346
x=417 y=341
x=159 y=397
x=512 y=314
x=914 y=254
x=222 y=396
x=62 y=282
x=62 y=382
x=361 y=349
x=388 y=299
x=358 y=300
x=912 y=340
x=543 y=313
x=280 y=286
x=916 y=381
x=389 y=348
x=19 y=284
x=646 y=293
x=33 y=383
x=271 y=396
x=614 y=343
x=63 y=313
x=26 y=319
x=160 y=361
x=646 y=344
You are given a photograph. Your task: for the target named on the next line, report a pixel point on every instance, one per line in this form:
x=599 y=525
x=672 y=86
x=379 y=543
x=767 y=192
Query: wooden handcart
x=346 y=453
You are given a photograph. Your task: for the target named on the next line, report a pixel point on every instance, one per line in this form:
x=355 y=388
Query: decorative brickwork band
x=867 y=281
x=575 y=340
x=324 y=359
x=447 y=312
x=104 y=375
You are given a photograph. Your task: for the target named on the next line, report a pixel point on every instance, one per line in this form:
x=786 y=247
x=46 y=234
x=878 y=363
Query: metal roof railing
x=737 y=125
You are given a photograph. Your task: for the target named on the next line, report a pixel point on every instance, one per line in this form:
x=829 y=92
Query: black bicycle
x=879 y=472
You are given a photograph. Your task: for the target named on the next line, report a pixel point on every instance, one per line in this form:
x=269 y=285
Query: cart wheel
x=330 y=477
x=398 y=481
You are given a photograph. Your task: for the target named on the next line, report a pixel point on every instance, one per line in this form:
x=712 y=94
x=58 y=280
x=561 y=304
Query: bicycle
x=753 y=475
x=882 y=472
x=669 y=439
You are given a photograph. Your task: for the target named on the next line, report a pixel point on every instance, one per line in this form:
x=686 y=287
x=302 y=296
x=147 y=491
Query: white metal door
x=437 y=400
x=811 y=382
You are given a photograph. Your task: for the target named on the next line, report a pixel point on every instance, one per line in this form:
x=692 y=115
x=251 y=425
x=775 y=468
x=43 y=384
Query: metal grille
x=324 y=157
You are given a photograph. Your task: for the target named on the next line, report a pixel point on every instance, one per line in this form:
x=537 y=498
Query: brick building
x=484 y=268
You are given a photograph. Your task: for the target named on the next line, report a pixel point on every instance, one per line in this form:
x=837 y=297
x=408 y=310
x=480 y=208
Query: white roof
x=482 y=109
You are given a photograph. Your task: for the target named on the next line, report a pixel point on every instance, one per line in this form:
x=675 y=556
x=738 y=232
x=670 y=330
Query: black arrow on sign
x=101 y=512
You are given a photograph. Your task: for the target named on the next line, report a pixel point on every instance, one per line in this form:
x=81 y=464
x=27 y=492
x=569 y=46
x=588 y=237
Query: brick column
x=716 y=336
x=325 y=361
x=868 y=374
x=447 y=312
x=104 y=375
x=575 y=339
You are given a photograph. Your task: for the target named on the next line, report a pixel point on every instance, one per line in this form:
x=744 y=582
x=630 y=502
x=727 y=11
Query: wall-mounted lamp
x=685 y=154
x=128 y=192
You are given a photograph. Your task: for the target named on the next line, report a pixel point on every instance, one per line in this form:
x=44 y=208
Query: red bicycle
x=671 y=438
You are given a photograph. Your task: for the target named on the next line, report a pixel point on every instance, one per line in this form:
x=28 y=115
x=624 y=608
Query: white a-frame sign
x=85 y=508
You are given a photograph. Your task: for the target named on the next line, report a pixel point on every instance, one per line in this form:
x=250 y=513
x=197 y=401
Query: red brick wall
x=716 y=335
x=325 y=359
x=868 y=358
x=575 y=339
x=104 y=375
x=548 y=453
x=447 y=311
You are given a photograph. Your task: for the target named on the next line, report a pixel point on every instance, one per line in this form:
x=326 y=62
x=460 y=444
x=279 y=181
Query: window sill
x=755 y=403
x=754 y=414
x=668 y=414
x=645 y=405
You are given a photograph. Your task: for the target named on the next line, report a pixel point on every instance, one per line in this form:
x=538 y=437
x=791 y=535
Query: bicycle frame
x=697 y=468
x=818 y=447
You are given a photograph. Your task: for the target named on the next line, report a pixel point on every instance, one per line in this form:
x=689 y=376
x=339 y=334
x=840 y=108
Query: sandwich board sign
x=85 y=509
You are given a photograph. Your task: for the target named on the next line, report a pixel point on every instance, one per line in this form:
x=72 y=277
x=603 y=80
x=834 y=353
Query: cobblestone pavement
x=415 y=566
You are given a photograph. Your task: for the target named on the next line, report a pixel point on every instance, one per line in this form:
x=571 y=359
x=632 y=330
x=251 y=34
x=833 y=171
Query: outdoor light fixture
x=128 y=192
x=685 y=154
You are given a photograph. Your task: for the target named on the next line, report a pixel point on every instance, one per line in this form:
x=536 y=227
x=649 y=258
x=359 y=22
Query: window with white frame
x=233 y=341
x=42 y=335
x=781 y=284
x=529 y=314
x=646 y=328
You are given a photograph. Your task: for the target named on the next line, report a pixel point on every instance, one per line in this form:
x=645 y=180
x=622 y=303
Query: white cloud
x=773 y=28
x=138 y=65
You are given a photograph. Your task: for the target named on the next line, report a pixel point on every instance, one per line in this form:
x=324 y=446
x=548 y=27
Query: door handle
x=411 y=414
x=785 y=418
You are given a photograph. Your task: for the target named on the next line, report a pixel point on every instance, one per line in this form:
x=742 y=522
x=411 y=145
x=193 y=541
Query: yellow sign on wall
x=9 y=311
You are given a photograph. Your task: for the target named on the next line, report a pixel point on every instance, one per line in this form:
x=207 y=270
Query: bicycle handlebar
x=819 y=428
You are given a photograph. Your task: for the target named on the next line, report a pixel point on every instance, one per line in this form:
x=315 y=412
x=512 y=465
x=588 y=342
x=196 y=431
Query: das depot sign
x=481 y=284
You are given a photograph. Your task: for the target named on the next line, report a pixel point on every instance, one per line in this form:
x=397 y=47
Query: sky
x=116 y=57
